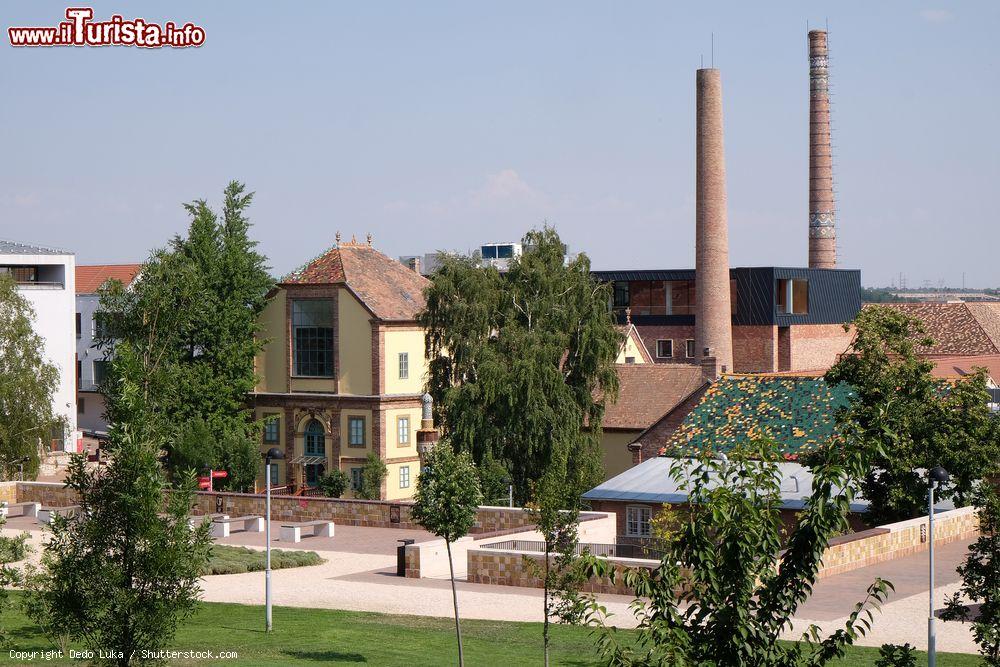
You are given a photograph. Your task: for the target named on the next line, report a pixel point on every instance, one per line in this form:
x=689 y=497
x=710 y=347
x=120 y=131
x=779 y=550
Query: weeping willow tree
x=521 y=364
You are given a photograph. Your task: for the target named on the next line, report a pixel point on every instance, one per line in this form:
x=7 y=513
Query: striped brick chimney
x=713 y=332
x=822 y=216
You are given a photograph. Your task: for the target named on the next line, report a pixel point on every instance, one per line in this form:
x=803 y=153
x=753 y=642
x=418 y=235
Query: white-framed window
x=637 y=520
x=404 y=477
x=404 y=365
x=689 y=348
x=355 y=479
x=355 y=431
x=664 y=349
x=403 y=430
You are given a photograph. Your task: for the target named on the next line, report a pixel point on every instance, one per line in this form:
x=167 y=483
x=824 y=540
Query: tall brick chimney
x=822 y=216
x=713 y=330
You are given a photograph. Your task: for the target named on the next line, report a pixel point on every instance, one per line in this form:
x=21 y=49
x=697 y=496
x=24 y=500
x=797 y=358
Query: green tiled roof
x=798 y=413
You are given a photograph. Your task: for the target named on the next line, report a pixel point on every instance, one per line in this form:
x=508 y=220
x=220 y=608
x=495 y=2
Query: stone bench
x=19 y=509
x=292 y=532
x=251 y=524
x=195 y=518
x=45 y=514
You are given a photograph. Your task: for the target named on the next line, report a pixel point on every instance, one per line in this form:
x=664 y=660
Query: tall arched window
x=315 y=445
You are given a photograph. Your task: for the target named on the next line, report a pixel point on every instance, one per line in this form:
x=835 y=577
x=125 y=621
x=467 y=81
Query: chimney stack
x=713 y=312
x=822 y=217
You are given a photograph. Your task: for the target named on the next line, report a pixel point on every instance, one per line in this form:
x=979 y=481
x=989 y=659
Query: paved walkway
x=359 y=575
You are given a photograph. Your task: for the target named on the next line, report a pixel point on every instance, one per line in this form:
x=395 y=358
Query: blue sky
x=440 y=125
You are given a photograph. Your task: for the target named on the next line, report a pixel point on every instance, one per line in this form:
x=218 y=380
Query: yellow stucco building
x=343 y=369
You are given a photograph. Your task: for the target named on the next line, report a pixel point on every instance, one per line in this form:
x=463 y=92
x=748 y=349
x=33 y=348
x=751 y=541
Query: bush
x=892 y=655
x=238 y=560
x=334 y=483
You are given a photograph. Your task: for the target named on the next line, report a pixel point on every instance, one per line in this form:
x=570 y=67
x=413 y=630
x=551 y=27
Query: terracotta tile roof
x=796 y=412
x=951 y=367
x=89 y=278
x=649 y=391
x=957 y=328
x=387 y=288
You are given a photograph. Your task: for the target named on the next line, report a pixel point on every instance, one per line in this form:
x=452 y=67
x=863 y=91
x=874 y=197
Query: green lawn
x=312 y=636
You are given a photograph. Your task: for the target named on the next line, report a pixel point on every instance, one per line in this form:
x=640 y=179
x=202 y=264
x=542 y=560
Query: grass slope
x=314 y=636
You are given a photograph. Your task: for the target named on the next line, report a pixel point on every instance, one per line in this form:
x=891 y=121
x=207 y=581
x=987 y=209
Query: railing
x=605 y=550
x=41 y=285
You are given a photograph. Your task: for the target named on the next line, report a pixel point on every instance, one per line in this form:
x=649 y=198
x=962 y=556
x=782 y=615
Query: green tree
x=121 y=574
x=373 y=473
x=522 y=362
x=728 y=585
x=927 y=422
x=334 y=483
x=27 y=383
x=192 y=318
x=981 y=579
x=445 y=503
x=557 y=516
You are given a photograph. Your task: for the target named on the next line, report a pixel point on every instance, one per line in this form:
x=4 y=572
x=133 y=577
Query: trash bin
x=401 y=557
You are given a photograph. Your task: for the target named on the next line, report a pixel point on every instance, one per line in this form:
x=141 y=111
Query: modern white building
x=91 y=361
x=46 y=278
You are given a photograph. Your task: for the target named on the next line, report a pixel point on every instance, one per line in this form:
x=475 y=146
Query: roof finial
x=369 y=239
x=338 y=237
x=354 y=239
x=628 y=315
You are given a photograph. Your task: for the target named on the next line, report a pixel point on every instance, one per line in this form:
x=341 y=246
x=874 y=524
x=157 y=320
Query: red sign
x=217 y=474
x=204 y=483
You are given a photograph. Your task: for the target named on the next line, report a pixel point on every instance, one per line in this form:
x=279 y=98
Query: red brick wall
x=650 y=333
x=754 y=349
x=817 y=346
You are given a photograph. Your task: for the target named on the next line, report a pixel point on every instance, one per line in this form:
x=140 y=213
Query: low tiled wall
x=343 y=511
x=896 y=540
x=8 y=492
x=508 y=568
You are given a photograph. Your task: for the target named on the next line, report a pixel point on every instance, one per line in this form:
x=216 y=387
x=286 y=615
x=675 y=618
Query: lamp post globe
x=938 y=475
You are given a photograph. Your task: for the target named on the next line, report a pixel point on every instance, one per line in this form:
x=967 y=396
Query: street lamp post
x=273 y=454
x=510 y=491
x=935 y=478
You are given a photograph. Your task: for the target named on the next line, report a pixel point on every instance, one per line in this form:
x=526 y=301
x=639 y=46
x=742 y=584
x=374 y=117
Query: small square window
x=355 y=431
x=404 y=365
x=689 y=348
x=272 y=427
x=356 y=479
x=664 y=349
x=404 y=477
x=629 y=360
x=403 y=430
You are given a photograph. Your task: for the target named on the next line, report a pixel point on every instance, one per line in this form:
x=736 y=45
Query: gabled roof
x=89 y=278
x=388 y=289
x=646 y=392
x=796 y=412
x=651 y=482
x=957 y=328
x=15 y=248
x=630 y=333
